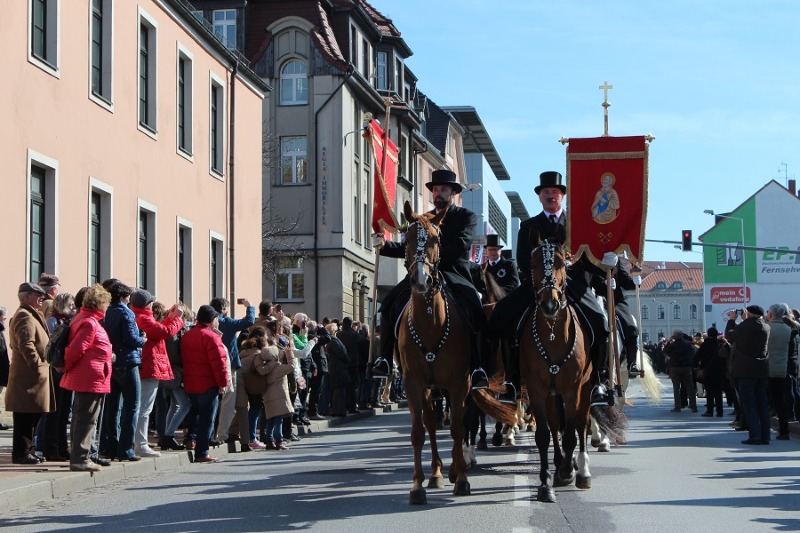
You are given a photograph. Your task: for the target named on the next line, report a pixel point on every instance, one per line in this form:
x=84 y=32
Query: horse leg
x=545 y=493
x=599 y=439
x=471 y=430
x=497 y=439
x=458 y=468
x=436 y=481
x=565 y=474
x=554 y=419
x=414 y=395
x=482 y=440
x=583 y=478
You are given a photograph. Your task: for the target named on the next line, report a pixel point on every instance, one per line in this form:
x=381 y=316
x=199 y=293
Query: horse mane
x=493 y=289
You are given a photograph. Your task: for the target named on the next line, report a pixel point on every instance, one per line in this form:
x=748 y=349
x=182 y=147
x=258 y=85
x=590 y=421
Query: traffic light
x=686 y=237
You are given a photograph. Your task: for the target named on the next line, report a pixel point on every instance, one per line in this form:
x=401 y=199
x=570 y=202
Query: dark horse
x=433 y=346
x=556 y=368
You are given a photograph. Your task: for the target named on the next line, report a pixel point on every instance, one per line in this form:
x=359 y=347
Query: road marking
x=522 y=493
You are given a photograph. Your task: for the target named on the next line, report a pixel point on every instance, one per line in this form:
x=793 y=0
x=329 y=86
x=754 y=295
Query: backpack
x=57 y=345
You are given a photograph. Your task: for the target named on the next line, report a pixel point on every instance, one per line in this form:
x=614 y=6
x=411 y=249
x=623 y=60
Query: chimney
x=793 y=187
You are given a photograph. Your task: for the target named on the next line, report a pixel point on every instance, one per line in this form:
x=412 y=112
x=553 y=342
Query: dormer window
x=661 y=285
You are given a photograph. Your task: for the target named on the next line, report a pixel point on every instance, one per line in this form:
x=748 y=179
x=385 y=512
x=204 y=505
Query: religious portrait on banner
x=606 y=200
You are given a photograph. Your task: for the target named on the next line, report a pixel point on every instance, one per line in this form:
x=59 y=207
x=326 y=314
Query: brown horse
x=434 y=347
x=556 y=368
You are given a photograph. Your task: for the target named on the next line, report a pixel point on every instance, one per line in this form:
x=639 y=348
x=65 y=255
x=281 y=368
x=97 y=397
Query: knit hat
x=206 y=314
x=755 y=310
x=141 y=298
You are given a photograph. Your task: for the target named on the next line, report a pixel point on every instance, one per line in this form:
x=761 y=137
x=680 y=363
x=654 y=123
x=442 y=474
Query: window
x=645 y=336
x=42 y=196
x=645 y=312
x=294 y=164
x=365 y=62
x=44 y=34
x=147 y=74
x=289 y=284
x=101 y=27
x=677 y=285
x=381 y=74
x=676 y=312
x=294 y=83
x=146 y=248
x=185 y=102
x=730 y=255
x=353 y=45
x=497 y=219
x=660 y=312
x=225 y=26
x=356 y=218
x=398 y=76
x=185 y=262
x=99 y=231
x=661 y=285
x=216 y=268
x=199 y=16
x=692 y=312
x=217 y=126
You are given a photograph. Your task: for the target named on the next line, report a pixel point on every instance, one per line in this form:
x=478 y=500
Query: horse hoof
x=546 y=494
x=482 y=445
x=595 y=443
x=530 y=428
x=583 y=482
x=452 y=476
x=436 y=482
x=461 y=488
x=497 y=440
x=417 y=497
x=604 y=447
x=563 y=481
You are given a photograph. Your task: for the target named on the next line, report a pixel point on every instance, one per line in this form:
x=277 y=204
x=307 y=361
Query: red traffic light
x=686 y=240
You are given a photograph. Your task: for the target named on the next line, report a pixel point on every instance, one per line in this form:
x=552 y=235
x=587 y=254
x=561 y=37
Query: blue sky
x=716 y=82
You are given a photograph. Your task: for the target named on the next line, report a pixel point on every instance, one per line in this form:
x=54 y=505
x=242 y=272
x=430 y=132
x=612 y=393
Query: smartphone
x=240 y=301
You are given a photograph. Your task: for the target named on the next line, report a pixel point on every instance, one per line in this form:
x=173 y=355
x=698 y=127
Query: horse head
x=549 y=274
x=422 y=250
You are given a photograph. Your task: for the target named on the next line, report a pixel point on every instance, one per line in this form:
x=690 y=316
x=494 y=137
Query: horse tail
x=651 y=385
x=503 y=413
x=611 y=419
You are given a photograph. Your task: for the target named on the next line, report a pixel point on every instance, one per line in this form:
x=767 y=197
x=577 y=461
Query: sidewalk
x=23 y=486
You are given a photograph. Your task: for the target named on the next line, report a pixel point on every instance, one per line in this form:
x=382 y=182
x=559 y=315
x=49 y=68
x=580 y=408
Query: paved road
x=679 y=472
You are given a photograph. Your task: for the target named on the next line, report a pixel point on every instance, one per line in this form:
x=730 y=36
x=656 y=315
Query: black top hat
x=550 y=178
x=444 y=177
x=491 y=242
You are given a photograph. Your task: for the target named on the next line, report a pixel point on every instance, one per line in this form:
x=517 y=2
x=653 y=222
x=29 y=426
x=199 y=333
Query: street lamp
x=744 y=264
x=668 y=305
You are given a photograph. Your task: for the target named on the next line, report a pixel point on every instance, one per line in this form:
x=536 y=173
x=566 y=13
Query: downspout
x=232 y=198
x=351 y=70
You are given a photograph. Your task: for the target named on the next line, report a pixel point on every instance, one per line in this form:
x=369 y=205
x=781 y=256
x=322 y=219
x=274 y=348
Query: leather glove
x=613 y=284
x=637 y=280
x=377 y=240
x=610 y=259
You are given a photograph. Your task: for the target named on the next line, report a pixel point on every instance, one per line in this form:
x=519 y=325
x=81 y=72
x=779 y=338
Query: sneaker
x=96 y=459
x=269 y=445
x=4 y=427
x=317 y=417
x=84 y=467
x=281 y=446
x=206 y=459
x=147 y=451
x=257 y=445
x=26 y=460
x=294 y=438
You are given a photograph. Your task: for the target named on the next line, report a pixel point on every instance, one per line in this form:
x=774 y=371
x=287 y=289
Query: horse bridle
x=549 y=280
x=421 y=259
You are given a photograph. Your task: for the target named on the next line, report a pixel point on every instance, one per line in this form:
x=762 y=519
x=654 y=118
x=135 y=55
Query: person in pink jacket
x=155 y=361
x=87 y=372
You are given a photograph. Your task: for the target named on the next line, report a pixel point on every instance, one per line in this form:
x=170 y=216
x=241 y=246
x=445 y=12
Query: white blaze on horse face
x=420 y=276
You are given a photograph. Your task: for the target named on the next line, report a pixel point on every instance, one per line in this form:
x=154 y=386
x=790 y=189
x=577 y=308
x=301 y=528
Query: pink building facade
x=132 y=148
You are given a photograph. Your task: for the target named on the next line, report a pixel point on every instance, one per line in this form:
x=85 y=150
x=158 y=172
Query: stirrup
x=380 y=368
x=634 y=371
x=600 y=396
x=510 y=394
x=479 y=379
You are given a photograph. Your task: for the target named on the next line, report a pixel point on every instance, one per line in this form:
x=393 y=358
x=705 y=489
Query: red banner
x=385 y=186
x=607 y=197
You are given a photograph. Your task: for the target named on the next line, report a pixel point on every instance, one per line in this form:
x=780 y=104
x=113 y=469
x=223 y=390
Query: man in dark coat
x=680 y=352
x=503 y=271
x=350 y=338
x=4 y=363
x=456 y=232
x=550 y=225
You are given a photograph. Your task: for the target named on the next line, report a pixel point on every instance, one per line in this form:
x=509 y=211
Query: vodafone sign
x=728 y=295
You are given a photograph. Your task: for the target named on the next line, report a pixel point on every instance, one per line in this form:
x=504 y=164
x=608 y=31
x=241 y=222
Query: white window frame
x=217 y=137
x=216 y=240
x=294 y=78
x=224 y=24
x=106 y=98
x=676 y=312
x=290 y=272
x=295 y=155
x=151 y=282
x=382 y=70
x=51 y=63
x=186 y=152
x=188 y=262
x=150 y=128
x=50 y=166
x=106 y=193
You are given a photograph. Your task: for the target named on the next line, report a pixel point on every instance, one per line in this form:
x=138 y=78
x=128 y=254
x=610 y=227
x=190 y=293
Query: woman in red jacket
x=87 y=372
x=155 y=361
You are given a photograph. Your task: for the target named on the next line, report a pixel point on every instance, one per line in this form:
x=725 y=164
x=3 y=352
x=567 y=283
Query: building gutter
x=231 y=176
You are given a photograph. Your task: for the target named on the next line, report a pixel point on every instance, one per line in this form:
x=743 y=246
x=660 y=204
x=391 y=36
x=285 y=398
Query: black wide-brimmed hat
x=550 y=178
x=492 y=242
x=444 y=177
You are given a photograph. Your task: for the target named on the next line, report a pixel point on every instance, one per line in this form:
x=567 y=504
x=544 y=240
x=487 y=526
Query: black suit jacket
x=456 y=233
x=531 y=232
x=504 y=273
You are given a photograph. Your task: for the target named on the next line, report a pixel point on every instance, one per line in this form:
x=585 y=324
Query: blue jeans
x=753 y=395
x=253 y=414
x=275 y=429
x=205 y=406
x=122 y=410
x=178 y=409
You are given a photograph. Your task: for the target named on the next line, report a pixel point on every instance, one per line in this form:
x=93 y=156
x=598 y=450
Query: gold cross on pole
x=605 y=88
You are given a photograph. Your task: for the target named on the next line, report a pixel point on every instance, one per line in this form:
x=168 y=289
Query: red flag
x=607 y=196
x=385 y=186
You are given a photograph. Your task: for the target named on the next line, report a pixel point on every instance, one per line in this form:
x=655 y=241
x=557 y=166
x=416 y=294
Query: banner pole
x=613 y=360
x=639 y=321
x=373 y=345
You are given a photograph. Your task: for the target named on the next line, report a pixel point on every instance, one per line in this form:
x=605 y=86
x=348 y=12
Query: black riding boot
x=510 y=391
x=382 y=366
x=632 y=351
x=479 y=379
x=600 y=394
